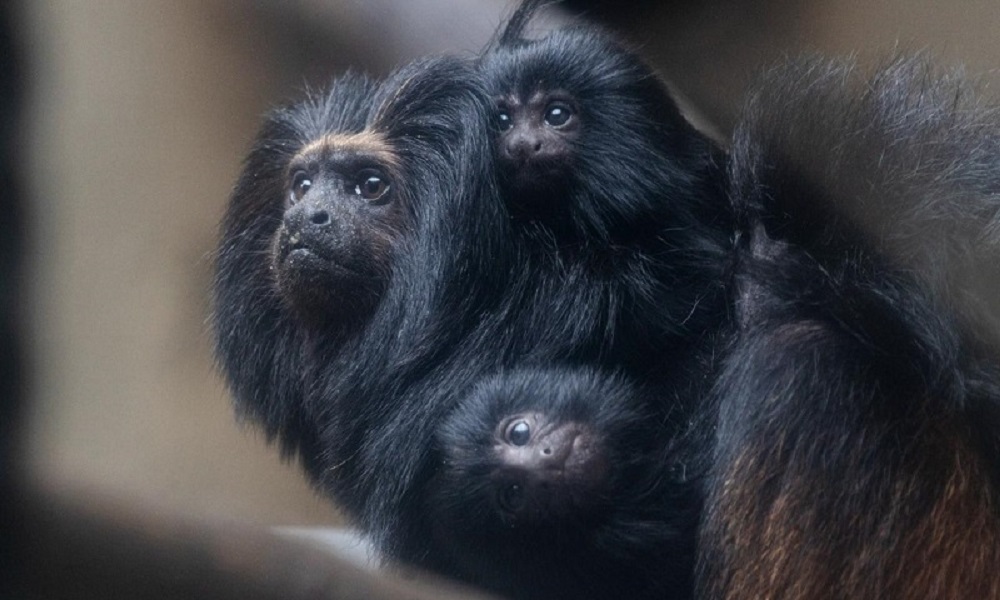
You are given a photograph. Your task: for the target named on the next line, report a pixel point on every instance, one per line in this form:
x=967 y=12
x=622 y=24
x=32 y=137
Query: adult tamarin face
x=325 y=198
x=331 y=255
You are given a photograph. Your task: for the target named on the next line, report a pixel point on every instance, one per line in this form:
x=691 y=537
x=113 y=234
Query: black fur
x=626 y=267
x=858 y=410
x=484 y=290
x=630 y=277
x=800 y=332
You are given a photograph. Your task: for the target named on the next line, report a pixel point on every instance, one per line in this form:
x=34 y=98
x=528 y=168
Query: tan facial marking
x=372 y=143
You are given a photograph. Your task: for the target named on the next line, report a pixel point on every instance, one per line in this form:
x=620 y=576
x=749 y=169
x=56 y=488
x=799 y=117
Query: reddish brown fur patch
x=891 y=511
x=936 y=535
x=955 y=551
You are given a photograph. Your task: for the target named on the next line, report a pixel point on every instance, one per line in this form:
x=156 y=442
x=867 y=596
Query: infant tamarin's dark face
x=537 y=131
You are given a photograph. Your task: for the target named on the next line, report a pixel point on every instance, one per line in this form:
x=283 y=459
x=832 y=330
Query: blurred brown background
x=139 y=114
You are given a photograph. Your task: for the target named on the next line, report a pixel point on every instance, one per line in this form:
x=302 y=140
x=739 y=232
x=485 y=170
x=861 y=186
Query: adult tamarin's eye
x=504 y=121
x=557 y=114
x=518 y=432
x=371 y=185
x=301 y=182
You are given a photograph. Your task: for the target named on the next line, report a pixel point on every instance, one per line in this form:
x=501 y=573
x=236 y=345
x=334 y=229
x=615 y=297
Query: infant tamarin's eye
x=504 y=120
x=519 y=432
x=557 y=114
